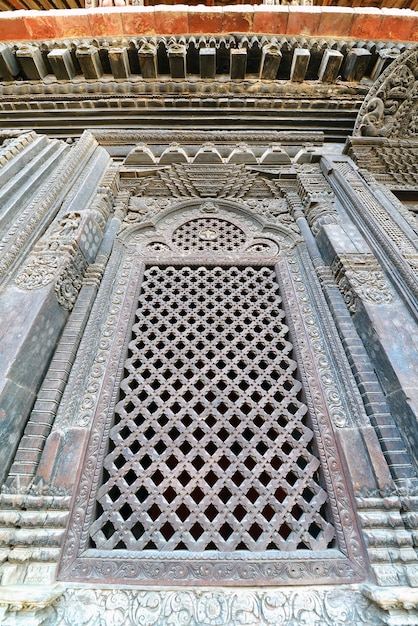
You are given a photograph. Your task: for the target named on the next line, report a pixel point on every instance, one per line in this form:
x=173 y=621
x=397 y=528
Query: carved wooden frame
x=80 y=563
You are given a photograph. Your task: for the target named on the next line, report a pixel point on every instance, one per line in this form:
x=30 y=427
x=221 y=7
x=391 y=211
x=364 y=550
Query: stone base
x=63 y=606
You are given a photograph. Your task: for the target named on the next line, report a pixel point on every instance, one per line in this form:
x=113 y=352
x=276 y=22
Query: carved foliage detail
x=214 y=608
x=49 y=253
x=391 y=107
x=360 y=276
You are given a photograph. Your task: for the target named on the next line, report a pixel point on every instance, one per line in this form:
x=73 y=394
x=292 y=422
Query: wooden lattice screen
x=211 y=447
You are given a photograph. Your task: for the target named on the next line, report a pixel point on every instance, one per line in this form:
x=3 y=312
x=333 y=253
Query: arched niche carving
x=390 y=110
x=206 y=227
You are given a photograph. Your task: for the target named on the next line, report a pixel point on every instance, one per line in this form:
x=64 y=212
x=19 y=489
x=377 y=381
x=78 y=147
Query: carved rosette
x=359 y=276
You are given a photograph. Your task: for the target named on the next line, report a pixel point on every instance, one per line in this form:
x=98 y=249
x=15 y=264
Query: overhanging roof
x=286 y=68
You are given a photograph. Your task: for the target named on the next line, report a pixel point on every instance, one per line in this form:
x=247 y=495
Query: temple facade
x=208 y=304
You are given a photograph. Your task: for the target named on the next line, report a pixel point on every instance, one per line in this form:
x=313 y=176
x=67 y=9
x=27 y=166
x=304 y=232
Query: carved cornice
x=122 y=57
x=29 y=597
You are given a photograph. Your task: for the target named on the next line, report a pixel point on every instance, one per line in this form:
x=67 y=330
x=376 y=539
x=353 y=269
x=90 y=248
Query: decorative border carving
x=311 y=354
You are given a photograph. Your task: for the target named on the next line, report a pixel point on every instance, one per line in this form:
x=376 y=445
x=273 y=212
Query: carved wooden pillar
x=45 y=285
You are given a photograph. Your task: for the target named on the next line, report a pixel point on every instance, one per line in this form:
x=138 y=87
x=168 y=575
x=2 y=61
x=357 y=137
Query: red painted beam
x=347 y=23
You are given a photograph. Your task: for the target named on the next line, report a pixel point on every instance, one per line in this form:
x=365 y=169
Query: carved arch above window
x=212 y=458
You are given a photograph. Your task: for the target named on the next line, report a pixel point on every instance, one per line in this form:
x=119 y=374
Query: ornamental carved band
x=214 y=608
x=359 y=276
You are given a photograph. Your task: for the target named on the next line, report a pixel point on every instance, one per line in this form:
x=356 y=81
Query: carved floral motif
x=47 y=256
x=390 y=109
x=327 y=607
x=360 y=276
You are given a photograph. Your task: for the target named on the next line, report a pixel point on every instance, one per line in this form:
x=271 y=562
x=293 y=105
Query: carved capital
x=317 y=198
x=359 y=276
x=57 y=257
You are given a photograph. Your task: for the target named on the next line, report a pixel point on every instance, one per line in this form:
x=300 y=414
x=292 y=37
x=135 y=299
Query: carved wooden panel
x=211 y=447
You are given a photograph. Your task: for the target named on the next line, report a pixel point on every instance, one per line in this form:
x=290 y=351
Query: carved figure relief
x=391 y=107
x=47 y=256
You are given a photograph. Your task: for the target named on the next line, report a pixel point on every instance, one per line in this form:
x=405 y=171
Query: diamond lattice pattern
x=211 y=447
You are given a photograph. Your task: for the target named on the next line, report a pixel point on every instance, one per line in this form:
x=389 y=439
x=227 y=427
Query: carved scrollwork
x=390 y=109
x=69 y=281
x=359 y=276
x=57 y=257
x=214 y=608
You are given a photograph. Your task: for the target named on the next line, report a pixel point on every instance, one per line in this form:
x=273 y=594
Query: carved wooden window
x=211 y=447
x=206 y=462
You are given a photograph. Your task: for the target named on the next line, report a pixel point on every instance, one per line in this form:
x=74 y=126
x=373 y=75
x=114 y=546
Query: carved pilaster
x=68 y=284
